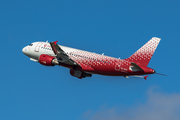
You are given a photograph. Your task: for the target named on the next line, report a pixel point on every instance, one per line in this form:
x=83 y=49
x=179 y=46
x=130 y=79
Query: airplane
x=83 y=63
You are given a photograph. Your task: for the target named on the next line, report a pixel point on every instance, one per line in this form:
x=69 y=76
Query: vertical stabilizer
x=144 y=54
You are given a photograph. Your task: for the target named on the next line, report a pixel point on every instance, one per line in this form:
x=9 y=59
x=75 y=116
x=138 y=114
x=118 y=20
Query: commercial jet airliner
x=83 y=64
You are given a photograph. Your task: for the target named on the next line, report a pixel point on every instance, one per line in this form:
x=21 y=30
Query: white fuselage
x=89 y=62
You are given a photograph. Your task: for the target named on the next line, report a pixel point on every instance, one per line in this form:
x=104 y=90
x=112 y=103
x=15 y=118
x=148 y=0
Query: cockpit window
x=30 y=44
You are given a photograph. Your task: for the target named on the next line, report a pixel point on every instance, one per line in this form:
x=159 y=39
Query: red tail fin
x=144 y=54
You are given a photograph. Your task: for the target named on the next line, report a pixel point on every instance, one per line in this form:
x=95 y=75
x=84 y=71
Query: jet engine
x=48 y=60
x=79 y=74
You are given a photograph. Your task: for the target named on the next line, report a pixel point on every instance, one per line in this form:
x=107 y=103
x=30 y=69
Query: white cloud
x=159 y=106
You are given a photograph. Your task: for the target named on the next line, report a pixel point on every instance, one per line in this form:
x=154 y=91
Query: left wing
x=64 y=58
x=61 y=55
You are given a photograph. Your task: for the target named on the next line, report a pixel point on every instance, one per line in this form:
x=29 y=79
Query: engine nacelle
x=47 y=60
x=79 y=74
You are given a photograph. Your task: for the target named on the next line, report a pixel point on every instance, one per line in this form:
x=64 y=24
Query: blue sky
x=116 y=28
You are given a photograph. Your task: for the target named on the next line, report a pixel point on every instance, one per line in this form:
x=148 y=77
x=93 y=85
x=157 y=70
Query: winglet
x=55 y=42
x=53 y=47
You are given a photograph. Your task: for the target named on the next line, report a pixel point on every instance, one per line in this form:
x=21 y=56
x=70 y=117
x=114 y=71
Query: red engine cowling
x=47 y=60
x=79 y=74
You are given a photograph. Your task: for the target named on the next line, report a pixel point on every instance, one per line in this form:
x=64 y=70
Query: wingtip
x=55 y=42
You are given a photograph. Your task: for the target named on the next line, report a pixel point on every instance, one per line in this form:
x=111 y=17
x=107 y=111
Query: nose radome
x=24 y=50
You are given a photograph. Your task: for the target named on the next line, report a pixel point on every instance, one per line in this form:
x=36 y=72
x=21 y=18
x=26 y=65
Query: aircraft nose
x=24 y=50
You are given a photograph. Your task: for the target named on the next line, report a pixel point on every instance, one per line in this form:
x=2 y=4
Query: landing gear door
x=37 y=47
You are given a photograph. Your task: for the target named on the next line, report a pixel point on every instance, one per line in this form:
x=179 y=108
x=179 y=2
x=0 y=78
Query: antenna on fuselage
x=47 y=41
x=103 y=54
